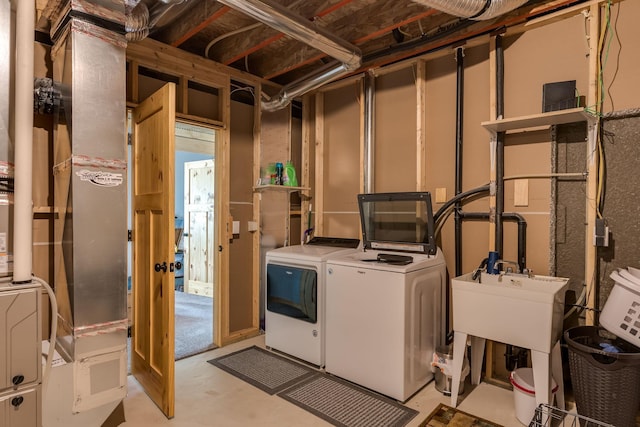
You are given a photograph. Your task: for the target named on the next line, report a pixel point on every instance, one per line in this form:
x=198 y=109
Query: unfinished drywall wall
x=241 y=248
x=395 y=132
x=275 y=137
x=441 y=147
x=341 y=162
x=621 y=61
x=295 y=198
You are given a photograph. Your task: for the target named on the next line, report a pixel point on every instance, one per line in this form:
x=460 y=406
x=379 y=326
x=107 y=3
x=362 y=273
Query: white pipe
x=54 y=331
x=23 y=202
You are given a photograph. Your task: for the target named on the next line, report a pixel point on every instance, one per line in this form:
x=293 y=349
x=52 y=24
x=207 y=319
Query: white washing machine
x=295 y=296
x=385 y=306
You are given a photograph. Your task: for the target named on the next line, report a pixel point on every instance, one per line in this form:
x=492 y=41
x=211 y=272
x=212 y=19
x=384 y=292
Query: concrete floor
x=206 y=396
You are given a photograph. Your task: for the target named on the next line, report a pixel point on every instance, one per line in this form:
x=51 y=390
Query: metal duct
x=301 y=86
x=141 y=19
x=90 y=181
x=473 y=9
x=299 y=28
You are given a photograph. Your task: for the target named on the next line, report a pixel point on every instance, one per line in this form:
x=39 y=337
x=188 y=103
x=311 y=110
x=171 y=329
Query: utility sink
x=510 y=308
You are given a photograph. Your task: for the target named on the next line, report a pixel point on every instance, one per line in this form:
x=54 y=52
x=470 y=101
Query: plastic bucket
x=524 y=394
x=606 y=385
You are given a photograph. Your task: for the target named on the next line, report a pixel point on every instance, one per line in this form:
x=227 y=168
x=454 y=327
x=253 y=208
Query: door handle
x=162 y=267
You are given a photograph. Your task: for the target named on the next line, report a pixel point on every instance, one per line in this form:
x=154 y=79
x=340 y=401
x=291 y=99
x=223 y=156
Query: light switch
x=521 y=192
x=441 y=195
x=236 y=227
x=252 y=226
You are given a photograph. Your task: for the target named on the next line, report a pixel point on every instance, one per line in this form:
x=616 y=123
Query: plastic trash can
x=524 y=394
x=606 y=384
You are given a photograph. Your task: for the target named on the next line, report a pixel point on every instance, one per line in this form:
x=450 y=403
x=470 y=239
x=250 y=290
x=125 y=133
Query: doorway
x=193 y=307
x=195 y=235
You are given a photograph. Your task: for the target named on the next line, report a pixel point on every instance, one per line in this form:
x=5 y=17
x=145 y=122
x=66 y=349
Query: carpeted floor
x=193 y=327
x=194 y=324
x=444 y=416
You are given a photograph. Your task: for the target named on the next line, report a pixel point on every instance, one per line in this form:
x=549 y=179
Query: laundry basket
x=606 y=385
x=621 y=313
x=548 y=416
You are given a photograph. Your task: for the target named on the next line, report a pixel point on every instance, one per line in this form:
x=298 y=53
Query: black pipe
x=458 y=171
x=500 y=137
x=522 y=231
x=522 y=237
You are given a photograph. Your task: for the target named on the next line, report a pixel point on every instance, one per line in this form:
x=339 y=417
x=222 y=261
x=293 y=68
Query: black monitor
x=398 y=222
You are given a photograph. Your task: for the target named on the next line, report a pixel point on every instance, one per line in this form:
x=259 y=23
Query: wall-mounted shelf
x=271 y=187
x=536 y=120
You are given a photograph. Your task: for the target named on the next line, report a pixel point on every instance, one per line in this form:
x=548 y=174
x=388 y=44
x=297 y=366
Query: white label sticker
x=3 y=243
x=4 y=264
x=100 y=178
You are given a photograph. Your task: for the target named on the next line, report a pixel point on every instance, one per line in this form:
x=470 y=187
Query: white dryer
x=295 y=296
x=385 y=304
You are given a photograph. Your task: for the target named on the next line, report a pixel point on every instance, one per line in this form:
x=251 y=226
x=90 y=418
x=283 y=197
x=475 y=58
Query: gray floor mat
x=263 y=369
x=346 y=405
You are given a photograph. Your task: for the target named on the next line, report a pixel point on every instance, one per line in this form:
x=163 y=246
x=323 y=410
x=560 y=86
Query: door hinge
x=130 y=235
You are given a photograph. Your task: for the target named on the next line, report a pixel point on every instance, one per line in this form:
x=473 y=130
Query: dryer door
x=292 y=292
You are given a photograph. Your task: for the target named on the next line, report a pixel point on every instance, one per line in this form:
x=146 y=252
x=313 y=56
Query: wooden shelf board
x=536 y=120
x=44 y=210
x=272 y=187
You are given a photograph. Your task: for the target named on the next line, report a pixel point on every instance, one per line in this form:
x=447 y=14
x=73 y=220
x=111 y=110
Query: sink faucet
x=509 y=269
x=525 y=272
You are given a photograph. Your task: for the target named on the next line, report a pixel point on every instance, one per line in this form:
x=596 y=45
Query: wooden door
x=152 y=352
x=199 y=226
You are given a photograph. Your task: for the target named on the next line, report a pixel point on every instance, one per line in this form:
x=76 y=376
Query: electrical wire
x=229 y=34
x=238 y=31
x=459 y=197
x=54 y=330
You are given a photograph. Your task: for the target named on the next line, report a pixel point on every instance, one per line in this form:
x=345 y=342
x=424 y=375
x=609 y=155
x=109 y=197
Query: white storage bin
x=621 y=313
x=524 y=394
